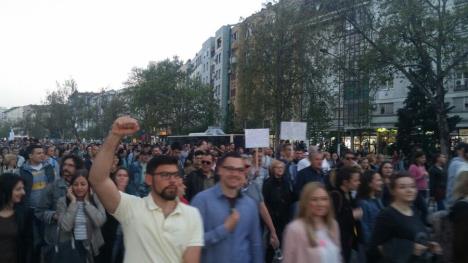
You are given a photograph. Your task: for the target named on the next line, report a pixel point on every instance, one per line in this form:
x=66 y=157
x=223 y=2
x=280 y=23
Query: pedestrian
x=196 y=163
x=46 y=210
x=369 y=201
x=137 y=170
x=15 y=226
x=438 y=180
x=386 y=172
x=346 y=211
x=399 y=234
x=37 y=175
x=80 y=218
x=418 y=170
x=278 y=199
x=453 y=170
x=201 y=179
x=459 y=218
x=252 y=190
x=312 y=173
x=314 y=235
x=113 y=249
x=364 y=164
x=156 y=228
x=231 y=218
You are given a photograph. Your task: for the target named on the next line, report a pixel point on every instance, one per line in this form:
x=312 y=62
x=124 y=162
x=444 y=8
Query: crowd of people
x=133 y=202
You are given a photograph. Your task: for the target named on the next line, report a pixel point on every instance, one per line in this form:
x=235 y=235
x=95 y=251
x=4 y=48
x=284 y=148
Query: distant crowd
x=134 y=202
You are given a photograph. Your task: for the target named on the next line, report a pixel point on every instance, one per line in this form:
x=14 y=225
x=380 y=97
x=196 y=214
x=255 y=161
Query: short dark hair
x=176 y=146
x=77 y=160
x=223 y=158
x=344 y=174
x=417 y=154
x=462 y=145
x=32 y=147
x=157 y=161
x=397 y=176
x=198 y=153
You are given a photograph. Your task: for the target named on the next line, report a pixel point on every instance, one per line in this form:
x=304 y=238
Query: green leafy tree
x=280 y=72
x=163 y=97
x=417 y=124
x=406 y=37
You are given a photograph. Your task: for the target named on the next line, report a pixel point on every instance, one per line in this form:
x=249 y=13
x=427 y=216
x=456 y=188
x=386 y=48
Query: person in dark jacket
x=347 y=180
x=278 y=199
x=113 y=249
x=200 y=179
x=313 y=173
x=438 y=180
x=459 y=218
x=15 y=227
x=386 y=171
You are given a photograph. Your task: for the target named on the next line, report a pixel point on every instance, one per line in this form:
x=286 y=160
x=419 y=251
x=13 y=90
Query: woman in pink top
x=418 y=171
x=314 y=236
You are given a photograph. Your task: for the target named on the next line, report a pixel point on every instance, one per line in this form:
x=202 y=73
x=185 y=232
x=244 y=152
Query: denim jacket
x=370 y=209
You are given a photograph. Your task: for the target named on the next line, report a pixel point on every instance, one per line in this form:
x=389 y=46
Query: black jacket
x=305 y=176
x=24 y=241
x=278 y=199
x=194 y=183
x=343 y=205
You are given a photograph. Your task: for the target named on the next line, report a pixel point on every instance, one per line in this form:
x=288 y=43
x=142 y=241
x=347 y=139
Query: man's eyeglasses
x=350 y=158
x=167 y=176
x=234 y=169
x=206 y=162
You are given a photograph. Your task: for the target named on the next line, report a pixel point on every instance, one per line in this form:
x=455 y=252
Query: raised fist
x=125 y=126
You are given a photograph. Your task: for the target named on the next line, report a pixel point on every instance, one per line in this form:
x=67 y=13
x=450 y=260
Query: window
x=234 y=35
x=218 y=43
x=461 y=81
x=386 y=109
x=460 y=104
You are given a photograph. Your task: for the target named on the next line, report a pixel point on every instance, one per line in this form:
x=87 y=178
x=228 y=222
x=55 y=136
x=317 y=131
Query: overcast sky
x=98 y=42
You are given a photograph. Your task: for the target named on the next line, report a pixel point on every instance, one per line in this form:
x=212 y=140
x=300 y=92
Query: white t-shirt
x=149 y=237
x=329 y=251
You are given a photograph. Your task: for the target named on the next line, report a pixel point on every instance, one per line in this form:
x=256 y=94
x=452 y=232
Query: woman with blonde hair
x=314 y=236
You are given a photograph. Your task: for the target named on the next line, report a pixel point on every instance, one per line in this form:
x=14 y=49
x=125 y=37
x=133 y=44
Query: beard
x=168 y=194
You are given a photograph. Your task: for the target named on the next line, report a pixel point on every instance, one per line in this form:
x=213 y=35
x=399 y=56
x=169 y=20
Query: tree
x=163 y=97
x=57 y=116
x=417 y=123
x=280 y=72
x=406 y=37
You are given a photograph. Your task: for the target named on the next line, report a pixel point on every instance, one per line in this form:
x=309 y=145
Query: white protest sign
x=257 y=138
x=295 y=131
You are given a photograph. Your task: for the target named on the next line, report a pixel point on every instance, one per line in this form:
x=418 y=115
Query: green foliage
x=407 y=37
x=417 y=124
x=281 y=72
x=164 y=97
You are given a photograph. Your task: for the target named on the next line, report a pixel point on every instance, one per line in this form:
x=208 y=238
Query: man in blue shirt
x=230 y=218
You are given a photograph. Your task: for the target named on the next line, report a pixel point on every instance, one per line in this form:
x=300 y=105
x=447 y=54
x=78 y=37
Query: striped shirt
x=80 y=222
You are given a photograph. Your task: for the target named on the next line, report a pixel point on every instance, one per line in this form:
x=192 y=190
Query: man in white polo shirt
x=156 y=228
